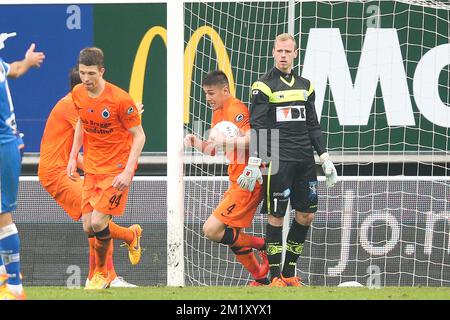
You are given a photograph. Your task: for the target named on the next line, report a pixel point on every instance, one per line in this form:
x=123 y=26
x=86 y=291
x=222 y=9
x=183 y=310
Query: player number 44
x=115 y=201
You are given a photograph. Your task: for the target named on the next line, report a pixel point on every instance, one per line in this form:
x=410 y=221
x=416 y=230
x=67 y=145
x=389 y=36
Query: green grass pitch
x=239 y=293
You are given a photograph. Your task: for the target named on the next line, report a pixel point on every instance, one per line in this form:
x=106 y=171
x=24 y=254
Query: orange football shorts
x=66 y=192
x=238 y=206
x=99 y=194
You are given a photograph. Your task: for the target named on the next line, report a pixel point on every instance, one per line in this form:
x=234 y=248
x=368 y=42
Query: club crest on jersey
x=239 y=117
x=105 y=113
x=130 y=110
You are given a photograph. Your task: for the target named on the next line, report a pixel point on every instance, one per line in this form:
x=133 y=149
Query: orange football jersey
x=57 y=139
x=105 y=121
x=237 y=112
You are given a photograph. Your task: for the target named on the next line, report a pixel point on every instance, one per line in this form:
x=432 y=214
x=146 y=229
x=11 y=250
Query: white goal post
x=175 y=148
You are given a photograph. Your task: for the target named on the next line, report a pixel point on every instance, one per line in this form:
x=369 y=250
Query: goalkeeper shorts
x=294 y=181
x=99 y=194
x=238 y=206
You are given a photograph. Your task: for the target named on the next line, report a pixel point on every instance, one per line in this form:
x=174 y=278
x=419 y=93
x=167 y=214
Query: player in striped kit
x=10 y=166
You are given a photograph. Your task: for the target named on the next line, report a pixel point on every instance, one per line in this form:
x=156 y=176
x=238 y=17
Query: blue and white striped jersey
x=8 y=127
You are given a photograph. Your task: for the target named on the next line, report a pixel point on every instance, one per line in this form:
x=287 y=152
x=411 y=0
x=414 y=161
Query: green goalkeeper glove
x=328 y=169
x=251 y=174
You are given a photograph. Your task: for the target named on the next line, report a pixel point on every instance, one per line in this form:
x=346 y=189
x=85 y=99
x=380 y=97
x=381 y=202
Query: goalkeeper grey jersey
x=285 y=102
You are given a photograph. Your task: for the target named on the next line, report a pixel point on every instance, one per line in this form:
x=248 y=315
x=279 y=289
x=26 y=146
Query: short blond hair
x=285 y=37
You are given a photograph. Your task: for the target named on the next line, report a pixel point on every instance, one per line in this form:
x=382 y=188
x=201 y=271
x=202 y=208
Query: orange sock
x=245 y=240
x=246 y=257
x=121 y=233
x=110 y=262
x=91 y=240
x=102 y=246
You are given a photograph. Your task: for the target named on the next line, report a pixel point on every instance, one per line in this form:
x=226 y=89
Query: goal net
x=381 y=75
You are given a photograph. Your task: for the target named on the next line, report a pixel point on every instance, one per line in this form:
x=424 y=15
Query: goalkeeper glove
x=251 y=174
x=328 y=169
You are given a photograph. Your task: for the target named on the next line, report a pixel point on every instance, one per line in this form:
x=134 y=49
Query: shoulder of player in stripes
x=262 y=86
x=305 y=83
x=268 y=86
x=266 y=82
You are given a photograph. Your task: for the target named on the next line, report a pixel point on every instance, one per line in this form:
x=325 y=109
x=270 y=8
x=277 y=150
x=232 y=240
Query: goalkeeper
x=54 y=154
x=237 y=208
x=283 y=105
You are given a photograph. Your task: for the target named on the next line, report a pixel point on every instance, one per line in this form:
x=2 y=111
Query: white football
x=227 y=128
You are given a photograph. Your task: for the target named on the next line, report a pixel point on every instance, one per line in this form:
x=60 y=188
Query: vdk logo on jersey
x=291 y=113
x=105 y=113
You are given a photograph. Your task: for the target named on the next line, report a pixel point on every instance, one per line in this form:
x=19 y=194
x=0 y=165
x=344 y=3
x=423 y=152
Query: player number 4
x=230 y=208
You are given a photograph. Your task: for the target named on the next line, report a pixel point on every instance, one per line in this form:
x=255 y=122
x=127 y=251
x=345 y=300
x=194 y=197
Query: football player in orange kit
x=55 y=148
x=109 y=128
x=238 y=206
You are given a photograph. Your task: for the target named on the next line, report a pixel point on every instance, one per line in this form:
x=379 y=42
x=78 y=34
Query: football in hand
x=226 y=128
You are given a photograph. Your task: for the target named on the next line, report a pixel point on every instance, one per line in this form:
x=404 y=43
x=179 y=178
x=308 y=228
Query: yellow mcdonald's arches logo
x=189 y=57
x=140 y=62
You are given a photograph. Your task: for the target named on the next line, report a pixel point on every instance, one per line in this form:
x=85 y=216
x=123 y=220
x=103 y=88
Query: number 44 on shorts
x=114 y=201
